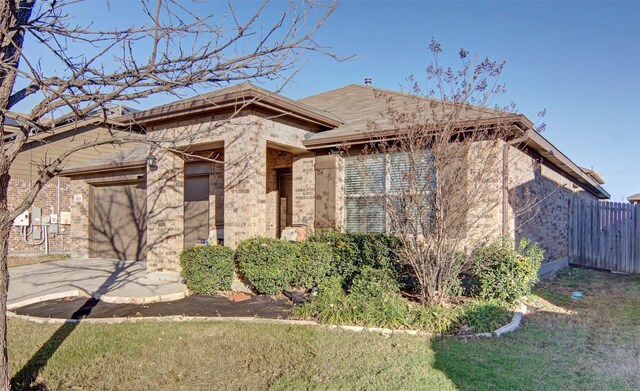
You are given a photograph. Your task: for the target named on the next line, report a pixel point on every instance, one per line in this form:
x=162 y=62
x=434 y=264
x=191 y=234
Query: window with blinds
x=367 y=177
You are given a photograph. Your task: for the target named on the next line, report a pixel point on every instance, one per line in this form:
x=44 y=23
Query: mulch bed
x=198 y=305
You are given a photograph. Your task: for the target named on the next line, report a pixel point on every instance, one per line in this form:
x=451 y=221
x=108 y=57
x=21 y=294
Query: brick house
x=55 y=198
x=258 y=162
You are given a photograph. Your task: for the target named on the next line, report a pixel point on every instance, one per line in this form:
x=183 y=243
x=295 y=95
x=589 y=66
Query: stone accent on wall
x=304 y=190
x=329 y=201
x=80 y=237
x=165 y=210
x=48 y=199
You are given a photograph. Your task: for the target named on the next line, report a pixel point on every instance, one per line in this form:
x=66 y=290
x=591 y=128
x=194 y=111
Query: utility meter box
x=23 y=220
x=36 y=216
x=65 y=218
x=53 y=218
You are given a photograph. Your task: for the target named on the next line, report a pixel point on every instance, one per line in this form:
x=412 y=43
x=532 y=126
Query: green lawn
x=591 y=344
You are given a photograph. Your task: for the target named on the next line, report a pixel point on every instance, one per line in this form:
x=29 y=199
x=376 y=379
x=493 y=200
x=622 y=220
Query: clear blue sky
x=578 y=60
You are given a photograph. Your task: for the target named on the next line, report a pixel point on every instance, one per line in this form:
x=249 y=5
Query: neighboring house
x=634 y=199
x=280 y=170
x=55 y=197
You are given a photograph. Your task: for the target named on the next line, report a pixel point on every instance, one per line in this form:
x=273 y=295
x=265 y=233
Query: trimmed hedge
x=506 y=272
x=273 y=265
x=354 y=252
x=207 y=269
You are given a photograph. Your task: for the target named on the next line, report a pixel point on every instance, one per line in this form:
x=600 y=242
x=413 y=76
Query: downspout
x=505 y=181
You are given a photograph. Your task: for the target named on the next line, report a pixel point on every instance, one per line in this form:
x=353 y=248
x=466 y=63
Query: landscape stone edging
x=516 y=320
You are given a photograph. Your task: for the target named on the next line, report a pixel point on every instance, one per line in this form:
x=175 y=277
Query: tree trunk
x=5 y=230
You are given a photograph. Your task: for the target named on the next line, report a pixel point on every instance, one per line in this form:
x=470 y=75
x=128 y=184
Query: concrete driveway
x=111 y=280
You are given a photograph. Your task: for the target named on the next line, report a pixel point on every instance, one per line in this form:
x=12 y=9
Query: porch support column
x=304 y=190
x=245 y=186
x=80 y=232
x=329 y=200
x=165 y=212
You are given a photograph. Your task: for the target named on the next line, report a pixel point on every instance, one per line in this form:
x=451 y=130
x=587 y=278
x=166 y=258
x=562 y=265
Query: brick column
x=80 y=233
x=329 y=194
x=245 y=186
x=165 y=213
x=304 y=190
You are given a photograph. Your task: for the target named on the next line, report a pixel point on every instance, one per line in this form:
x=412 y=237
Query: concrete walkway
x=110 y=280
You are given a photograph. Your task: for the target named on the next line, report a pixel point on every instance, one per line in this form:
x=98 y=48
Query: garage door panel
x=118 y=221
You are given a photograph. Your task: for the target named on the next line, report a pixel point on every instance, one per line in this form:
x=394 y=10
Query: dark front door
x=196 y=210
x=285 y=200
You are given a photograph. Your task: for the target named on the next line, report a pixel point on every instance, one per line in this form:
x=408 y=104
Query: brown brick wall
x=165 y=212
x=47 y=200
x=539 y=200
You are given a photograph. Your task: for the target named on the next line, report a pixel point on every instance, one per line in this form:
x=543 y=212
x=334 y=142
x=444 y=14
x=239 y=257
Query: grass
x=24 y=260
x=589 y=344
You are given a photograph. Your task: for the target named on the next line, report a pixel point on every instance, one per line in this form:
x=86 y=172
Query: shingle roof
x=357 y=105
x=237 y=95
x=634 y=198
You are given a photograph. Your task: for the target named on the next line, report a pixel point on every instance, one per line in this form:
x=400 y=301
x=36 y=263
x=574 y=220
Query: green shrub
x=265 y=263
x=374 y=300
x=377 y=250
x=345 y=252
x=505 y=272
x=353 y=252
x=207 y=269
x=312 y=263
x=372 y=283
x=485 y=316
x=273 y=265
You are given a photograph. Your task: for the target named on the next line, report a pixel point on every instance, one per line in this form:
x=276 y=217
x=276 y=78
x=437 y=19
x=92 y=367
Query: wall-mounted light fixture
x=152 y=162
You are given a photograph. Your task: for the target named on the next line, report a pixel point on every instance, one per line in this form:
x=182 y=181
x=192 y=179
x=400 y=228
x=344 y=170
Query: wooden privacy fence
x=605 y=235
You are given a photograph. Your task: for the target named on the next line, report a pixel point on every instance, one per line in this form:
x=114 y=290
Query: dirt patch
x=24 y=260
x=199 y=305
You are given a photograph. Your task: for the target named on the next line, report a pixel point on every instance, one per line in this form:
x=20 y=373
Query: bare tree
x=438 y=168
x=74 y=68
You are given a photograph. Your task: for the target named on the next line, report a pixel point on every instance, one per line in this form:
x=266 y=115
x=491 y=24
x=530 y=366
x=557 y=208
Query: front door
x=196 y=210
x=285 y=200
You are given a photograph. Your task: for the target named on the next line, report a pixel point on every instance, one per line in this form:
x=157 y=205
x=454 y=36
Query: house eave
x=103 y=168
x=237 y=100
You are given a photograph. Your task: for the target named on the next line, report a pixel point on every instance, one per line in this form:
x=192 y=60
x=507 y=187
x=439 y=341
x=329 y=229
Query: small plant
x=435 y=319
x=505 y=272
x=374 y=300
x=207 y=269
x=485 y=316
